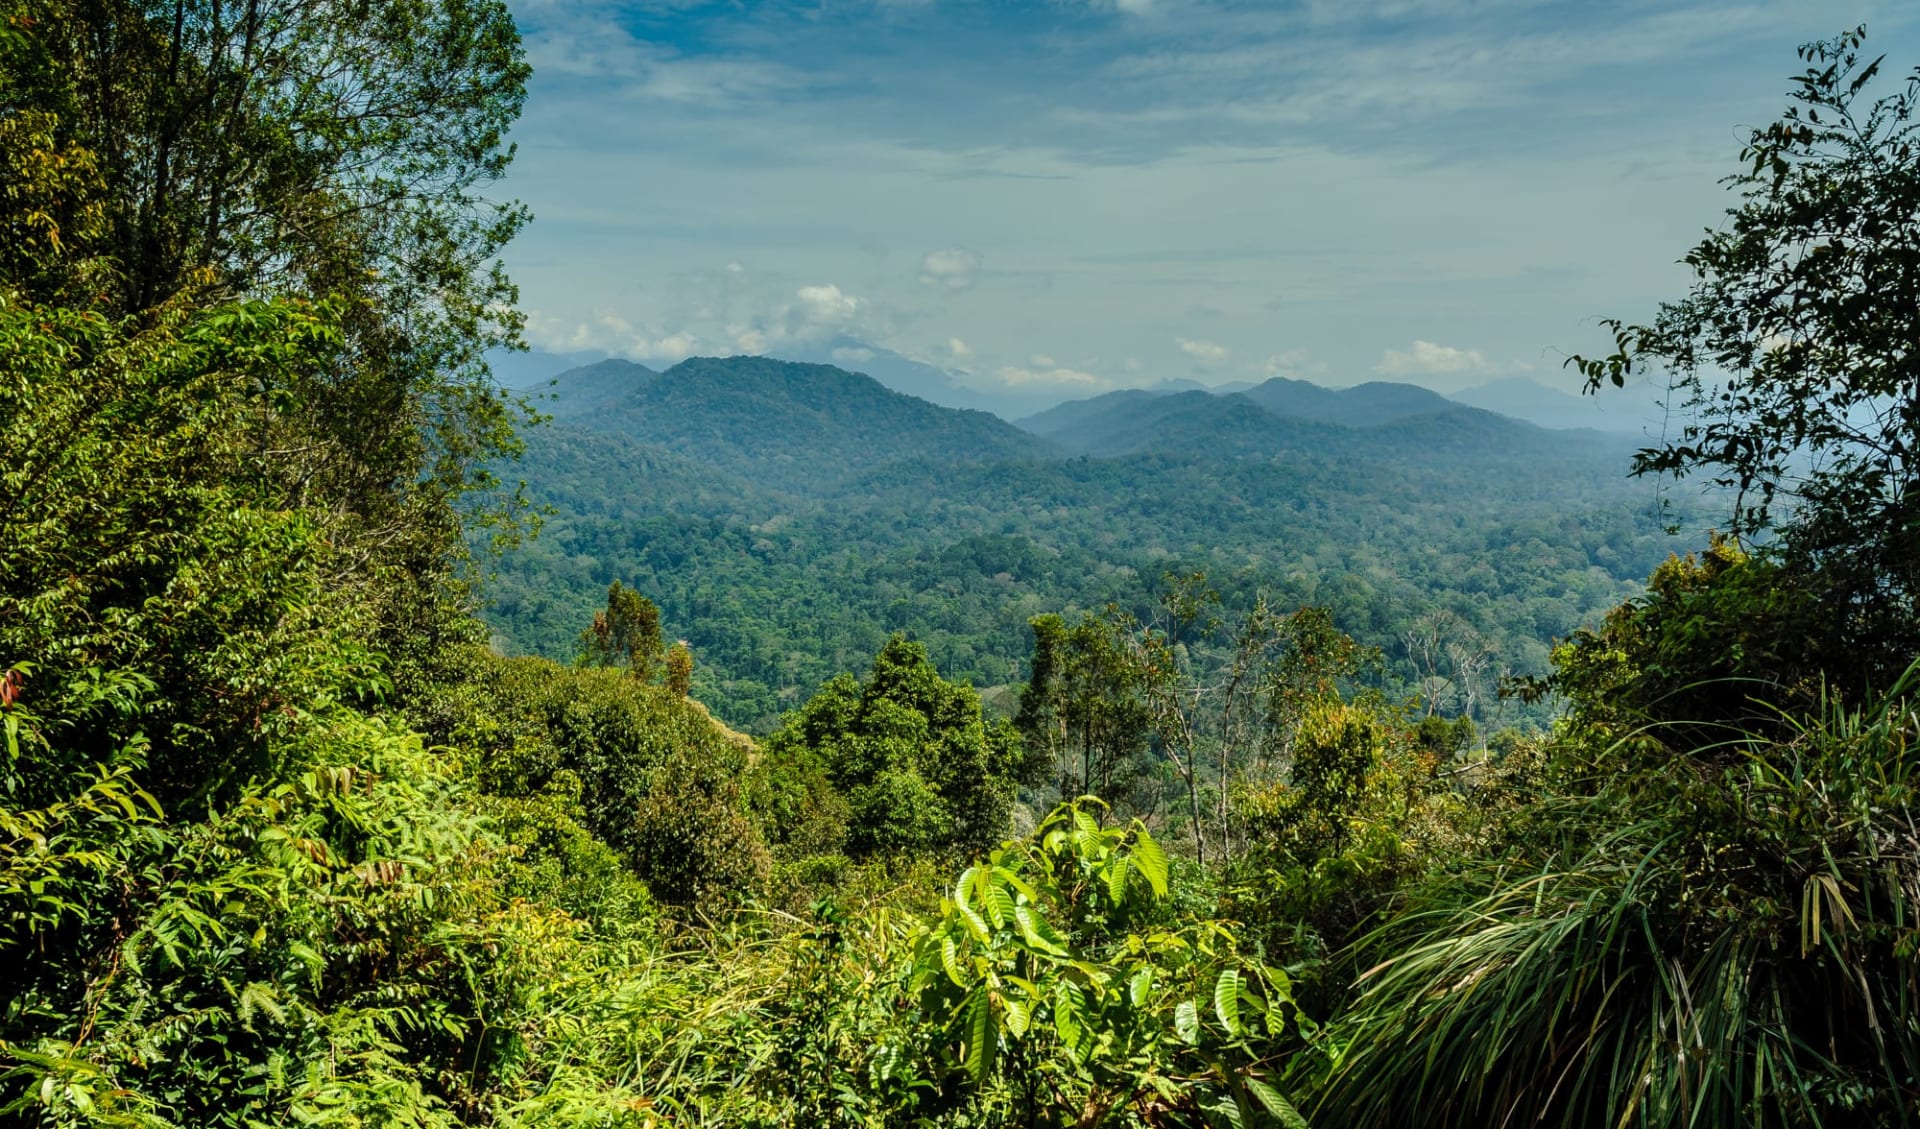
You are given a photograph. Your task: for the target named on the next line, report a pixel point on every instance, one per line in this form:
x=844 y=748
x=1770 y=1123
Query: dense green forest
x=284 y=841
x=863 y=512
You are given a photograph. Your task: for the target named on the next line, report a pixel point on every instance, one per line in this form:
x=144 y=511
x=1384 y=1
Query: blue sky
x=1074 y=196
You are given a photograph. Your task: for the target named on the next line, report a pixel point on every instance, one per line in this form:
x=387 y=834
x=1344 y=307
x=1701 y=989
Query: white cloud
x=1049 y=374
x=949 y=270
x=958 y=349
x=1295 y=364
x=677 y=347
x=1428 y=359
x=1061 y=176
x=826 y=305
x=609 y=333
x=585 y=44
x=1206 y=352
x=846 y=356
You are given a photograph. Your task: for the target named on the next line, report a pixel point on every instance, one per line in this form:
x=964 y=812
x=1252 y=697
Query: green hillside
x=793 y=427
x=1173 y=783
x=779 y=580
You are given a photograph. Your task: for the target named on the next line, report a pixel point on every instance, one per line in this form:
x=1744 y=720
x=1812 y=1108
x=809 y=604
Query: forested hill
x=791 y=426
x=788 y=517
x=1260 y=422
x=1364 y=405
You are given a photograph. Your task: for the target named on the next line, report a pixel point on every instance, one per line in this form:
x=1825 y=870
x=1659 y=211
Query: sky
x=1072 y=196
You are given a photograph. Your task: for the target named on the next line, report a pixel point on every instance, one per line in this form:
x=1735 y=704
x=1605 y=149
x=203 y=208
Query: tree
x=181 y=155
x=1450 y=660
x=1082 y=701
x=679 y=678
x=1793 y=353
x=920 y=767
x=1313 y=661
x=1215 y=696
x=626 y=634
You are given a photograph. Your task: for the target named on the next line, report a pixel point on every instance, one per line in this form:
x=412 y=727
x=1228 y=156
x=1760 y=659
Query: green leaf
x=1186 y=1022
x=1019 y=1016
x=1066 y=1014
x=1037 y=933
x=1151 y=862
x=950 y=960
x=1117 y=880
x=999 y=904
x=980 y=1035
x=1230 y=1109
x=1141 y=986
x=976 y=924
x=1226 y=1000
x=1276 y=1104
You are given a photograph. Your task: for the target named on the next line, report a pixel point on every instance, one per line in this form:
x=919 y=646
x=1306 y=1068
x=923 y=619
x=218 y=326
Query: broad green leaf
x=999 y=904
x=980 y=1035
x=976 y=924
x=1116 y=880
x=1279 y=984
x=1016 y=883
x=1066 y=1014
x=1186 y=1022
x=1226 y=1000
x=1141 y=986
x=1276 y=1104
x=1019 y=1016
x=1229 y=1108
x=1037 y=933
x=950 y=960
x=1151 y=862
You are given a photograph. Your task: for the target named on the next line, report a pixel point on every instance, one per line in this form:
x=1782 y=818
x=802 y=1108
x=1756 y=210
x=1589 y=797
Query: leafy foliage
x=626 y=635
x=1791 y=354
x=650 y=773
x=781 y=581
x=919 y=766
x=208 y=157
x=1735 y=950
x=255 y=870
x=1061 y=986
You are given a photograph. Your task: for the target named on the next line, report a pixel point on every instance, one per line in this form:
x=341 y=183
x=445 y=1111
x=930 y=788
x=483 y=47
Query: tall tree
x=1794 y=354
x=626 y=634
x=919 y=765
x=1082 y=709
x=191 y=152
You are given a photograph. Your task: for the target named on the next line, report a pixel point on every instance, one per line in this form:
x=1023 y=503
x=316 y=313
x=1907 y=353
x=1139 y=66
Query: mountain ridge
x=785 y=424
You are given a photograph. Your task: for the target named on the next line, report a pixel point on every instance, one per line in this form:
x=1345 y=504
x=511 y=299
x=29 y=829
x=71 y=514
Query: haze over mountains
x=787 y=517
x=783 y=424
x=1635 y=409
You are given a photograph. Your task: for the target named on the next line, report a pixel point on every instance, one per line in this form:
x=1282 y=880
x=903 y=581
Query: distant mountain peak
x=794 y=426
x=1633 y=409
x=584 y=391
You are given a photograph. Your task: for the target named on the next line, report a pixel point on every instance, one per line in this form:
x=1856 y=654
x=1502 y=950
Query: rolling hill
x=782 y=424
x=788 y=517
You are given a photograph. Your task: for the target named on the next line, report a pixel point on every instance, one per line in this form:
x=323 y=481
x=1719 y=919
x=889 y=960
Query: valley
x=788 y=518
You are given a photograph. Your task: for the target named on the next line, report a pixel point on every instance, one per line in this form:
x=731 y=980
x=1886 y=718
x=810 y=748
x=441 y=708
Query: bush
x=1716 y=939
x=916 y=764
x=657 y=779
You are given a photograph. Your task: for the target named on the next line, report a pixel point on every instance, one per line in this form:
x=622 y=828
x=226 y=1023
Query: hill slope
x=787 y=518
x=1376 y=419
x=1363 y=405
x=785 y=425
